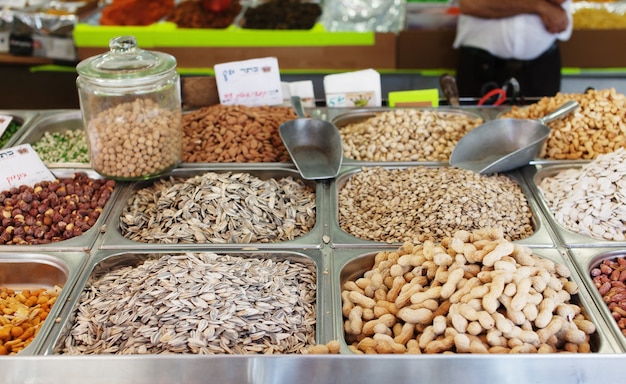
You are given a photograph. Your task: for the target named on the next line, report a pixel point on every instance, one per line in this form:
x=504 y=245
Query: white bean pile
x=429 y=203
x=406 y=135
x=591 y=200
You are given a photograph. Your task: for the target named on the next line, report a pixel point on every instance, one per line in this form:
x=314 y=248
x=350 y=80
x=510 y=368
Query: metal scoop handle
x=296 y=103
x=563 y=110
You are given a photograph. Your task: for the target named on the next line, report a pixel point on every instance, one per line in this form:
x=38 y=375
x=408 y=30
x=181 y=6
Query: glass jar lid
x=127 y=63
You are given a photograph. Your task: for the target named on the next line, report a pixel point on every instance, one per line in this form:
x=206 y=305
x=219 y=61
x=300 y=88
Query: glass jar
x=131 y=107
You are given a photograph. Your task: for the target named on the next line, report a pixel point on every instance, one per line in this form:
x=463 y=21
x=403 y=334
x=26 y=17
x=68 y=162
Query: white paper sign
x=249 y=82
x=303 y=88
x=353 y=89
x=21 y=165
x=4 y=123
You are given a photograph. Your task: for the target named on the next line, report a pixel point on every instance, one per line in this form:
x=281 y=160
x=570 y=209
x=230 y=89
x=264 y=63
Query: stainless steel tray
x=107 y=260
x=20 y=271
x=83 y=242
x=541 y=237
x=24 y=118
x=350 y=264
x=54 y=122
x=113 y=238
x=568 y=238
x=585 y=259
x=346 y=116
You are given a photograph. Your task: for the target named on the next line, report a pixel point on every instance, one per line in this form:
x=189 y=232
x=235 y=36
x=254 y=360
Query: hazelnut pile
x=52 y=211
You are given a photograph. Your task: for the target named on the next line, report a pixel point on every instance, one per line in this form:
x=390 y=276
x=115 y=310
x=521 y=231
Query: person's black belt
x=511 y=64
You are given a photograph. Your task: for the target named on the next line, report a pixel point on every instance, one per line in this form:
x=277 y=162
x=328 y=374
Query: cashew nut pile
x=429 y=203
x=406 y=135
x=591 y=200
x=472 y=293
x=597 y=126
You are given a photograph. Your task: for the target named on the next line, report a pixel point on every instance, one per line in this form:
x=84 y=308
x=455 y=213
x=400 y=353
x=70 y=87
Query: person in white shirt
x=502 y=39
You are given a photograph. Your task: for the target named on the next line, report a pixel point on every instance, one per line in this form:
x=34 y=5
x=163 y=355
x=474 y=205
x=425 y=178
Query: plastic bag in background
x=364 y=15
x=6 y=21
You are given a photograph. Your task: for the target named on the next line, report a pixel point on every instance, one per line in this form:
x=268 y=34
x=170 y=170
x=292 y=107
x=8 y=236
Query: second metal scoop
x=502 y=145
x=314 y=145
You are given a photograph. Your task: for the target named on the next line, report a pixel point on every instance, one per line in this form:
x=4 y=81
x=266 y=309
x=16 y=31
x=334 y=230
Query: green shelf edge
x=316 y=71
x=166 y=34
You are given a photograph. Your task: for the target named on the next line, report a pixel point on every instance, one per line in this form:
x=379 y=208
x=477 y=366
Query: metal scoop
x=502 y=145
x=314 y=145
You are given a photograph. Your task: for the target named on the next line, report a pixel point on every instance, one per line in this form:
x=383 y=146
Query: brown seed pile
x=192 y=14
x=282 y=14
x=429 y=203
x=610 y=279
x=52 y=211
x=597 y=126
x=201 y=303
x=22 y=314
x=475 y=292
x=222 y=133
x=406 y=135
x=135 y=139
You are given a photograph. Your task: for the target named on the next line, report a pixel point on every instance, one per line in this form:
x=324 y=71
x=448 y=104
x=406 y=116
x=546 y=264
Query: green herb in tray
x=63 y=147
x=9 y=132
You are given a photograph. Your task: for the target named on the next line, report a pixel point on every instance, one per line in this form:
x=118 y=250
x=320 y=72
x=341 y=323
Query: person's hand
x=553 y=16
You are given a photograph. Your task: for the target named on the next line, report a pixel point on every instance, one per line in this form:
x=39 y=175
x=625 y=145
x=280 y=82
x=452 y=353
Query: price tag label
x=4 y=123
x=21 y=165
x=249 y=82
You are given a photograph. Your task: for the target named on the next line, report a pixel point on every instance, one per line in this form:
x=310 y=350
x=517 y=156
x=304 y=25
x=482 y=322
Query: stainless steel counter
x=331 y=250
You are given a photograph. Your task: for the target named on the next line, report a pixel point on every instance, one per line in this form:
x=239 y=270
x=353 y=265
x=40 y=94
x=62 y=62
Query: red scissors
x=501 y=93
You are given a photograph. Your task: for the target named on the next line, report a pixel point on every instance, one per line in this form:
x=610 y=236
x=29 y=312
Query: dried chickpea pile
x=597 y=126
x=135 y=139
x=591 y=200
x=21 y=316
x=222 y=133
x=429 y=203
x=610 y=279
x=406 y=135
x=473 y=293
x=52 y=211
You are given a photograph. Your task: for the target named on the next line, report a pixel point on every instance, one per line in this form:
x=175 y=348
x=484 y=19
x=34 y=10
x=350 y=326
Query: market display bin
x=56 y=122
x=534 y=175
x=56 y=272
x=23 y=118
x=84 y=240
x=402 y=134
x=280 y=226
x=589 y=259
x=234 y=301
x=348 y=265
x=540 y=237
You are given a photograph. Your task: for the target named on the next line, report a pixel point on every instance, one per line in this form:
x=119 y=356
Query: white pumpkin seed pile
x=591 y=200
